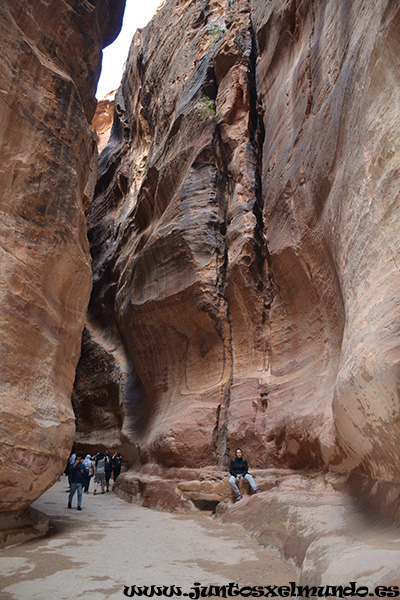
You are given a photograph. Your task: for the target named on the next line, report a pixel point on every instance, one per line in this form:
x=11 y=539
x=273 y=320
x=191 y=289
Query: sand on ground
x=100 y=552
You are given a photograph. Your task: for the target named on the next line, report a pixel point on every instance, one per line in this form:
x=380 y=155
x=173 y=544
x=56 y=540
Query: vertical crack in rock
x=238 y=183
x=309 y=72
x=268 y=283
x=225 y=326
x=257 y=137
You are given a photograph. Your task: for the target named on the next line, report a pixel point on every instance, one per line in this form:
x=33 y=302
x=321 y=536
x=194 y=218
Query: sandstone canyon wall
x=245 y=241
x=245 y=244
x=103 y=119
x=51 y=59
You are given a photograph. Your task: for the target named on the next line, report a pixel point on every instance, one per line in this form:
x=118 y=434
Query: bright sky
x=137 y=14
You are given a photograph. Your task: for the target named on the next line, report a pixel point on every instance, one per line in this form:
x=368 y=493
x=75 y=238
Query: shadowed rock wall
x=245 y=237
x=177 y=234
x=51 y=58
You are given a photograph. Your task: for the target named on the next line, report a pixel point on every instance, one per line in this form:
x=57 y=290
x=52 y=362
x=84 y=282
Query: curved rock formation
x=327 y=535
x=103 y=119
x=330 y=163
x=51 y=59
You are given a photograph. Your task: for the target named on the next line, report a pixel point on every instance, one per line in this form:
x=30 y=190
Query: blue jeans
x=75 y=487
x=247 y=477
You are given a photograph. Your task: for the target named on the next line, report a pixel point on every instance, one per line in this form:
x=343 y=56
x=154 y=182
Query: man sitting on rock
x=239 y=470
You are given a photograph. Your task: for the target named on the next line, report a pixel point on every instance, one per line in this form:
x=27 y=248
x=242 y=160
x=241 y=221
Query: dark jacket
x=117 y=465
x=238 y=467
x=78 y=474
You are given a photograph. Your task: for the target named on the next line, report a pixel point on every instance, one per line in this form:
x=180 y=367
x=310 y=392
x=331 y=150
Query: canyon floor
x=110 y=544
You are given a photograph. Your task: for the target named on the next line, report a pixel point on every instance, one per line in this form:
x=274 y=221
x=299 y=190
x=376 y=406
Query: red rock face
x=51 y=55
x=181 y=217
x=331 y=192
x=315 y=524
x=103 y=119
x=245 y=237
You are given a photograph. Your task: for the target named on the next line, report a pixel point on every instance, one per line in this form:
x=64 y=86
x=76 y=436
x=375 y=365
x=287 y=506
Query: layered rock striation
x=51 y=60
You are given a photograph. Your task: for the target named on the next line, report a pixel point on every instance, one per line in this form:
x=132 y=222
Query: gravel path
x=95 y=553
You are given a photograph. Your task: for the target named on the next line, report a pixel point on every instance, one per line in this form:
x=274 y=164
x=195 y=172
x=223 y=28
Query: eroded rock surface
x=329 y=178
x=51 y=57
x=326 y=534
x=103 y=119
x=177 y=236
x=245 y=237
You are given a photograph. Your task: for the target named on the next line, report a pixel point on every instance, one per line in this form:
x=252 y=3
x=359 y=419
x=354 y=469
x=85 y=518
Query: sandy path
x=93 y=554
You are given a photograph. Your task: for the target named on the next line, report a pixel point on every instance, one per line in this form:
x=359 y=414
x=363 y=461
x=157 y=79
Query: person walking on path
x=117 y=460
x=70 y=464
x=99 y=472
x=109 y=465
x=78 y=475
x=89 y=467
x=239 y=470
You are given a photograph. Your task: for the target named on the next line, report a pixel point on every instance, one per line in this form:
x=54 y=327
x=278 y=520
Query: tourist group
x=81 y=470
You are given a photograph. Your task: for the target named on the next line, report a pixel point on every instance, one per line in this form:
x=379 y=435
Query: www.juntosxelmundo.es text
x=291 y=590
